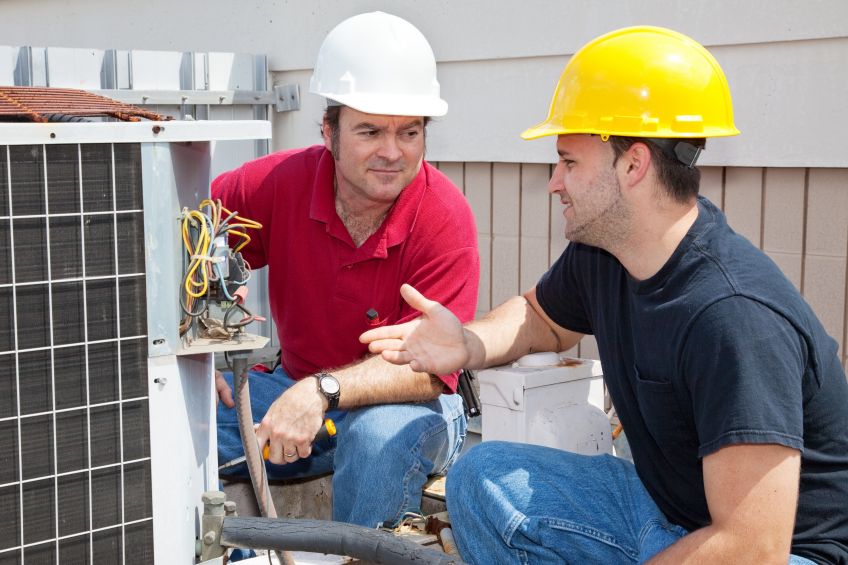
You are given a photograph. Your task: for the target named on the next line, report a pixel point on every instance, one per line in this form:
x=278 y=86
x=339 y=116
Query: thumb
x=225 y=393
x=227 y=397
x=416 y=299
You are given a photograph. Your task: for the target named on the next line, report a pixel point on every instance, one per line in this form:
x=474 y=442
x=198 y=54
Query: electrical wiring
x=213 y=270
x=248 y=316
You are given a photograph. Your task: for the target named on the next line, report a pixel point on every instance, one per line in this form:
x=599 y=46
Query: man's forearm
x=375 y=381
x=712 y=545
x=506 y=333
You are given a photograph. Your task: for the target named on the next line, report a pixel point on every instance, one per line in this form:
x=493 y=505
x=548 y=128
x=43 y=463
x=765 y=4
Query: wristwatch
x=328 y=385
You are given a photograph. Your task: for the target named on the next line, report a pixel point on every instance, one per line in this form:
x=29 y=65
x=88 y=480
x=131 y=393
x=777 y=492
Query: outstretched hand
x=433 y=343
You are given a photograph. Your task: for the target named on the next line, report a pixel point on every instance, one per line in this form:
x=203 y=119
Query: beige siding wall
x=799 y=217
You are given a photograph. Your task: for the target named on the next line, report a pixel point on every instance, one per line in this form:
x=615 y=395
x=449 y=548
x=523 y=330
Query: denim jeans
x=519 y=503
x=381 y=455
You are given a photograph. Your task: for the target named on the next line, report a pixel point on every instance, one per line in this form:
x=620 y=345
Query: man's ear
x=635 y=163
x=327 y=134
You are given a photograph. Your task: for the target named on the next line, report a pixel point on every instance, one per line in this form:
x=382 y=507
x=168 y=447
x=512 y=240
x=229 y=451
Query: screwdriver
x=327 y=431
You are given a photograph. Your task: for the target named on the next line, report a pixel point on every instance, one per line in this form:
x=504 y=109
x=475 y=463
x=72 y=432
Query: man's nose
x=389 y=148
x=557 y=182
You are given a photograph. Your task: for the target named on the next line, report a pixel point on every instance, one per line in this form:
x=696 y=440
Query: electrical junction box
x=547 y=399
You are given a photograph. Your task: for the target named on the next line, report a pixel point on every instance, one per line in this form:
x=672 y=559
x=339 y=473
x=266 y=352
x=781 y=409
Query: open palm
x=433 y=343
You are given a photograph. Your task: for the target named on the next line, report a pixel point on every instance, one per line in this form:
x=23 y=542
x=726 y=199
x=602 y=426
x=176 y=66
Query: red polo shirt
x=320 y=284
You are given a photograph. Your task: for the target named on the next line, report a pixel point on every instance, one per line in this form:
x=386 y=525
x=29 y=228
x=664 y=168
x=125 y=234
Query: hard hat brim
x=391 y=104
x=548 y=128
x=543 y=129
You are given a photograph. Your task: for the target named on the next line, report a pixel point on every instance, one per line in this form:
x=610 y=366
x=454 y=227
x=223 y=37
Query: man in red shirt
x=347 y=223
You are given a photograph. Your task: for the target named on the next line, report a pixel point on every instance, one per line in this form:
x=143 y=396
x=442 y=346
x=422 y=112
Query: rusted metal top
x=38 y=104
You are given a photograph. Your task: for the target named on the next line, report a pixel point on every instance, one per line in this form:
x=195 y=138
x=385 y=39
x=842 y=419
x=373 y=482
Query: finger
x=416 y=299
x=225 y=393
x=387 y=332
x=397 y=357
x=290 y=454
x=226 y=397
x=304 y=450
x=263 y=437
x=386 y=345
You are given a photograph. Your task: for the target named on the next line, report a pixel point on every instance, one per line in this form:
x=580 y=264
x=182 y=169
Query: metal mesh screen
x=74 y=435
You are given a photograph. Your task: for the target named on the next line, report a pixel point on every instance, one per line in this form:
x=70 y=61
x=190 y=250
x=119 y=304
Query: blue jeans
x=381 y=455
x=519 y=503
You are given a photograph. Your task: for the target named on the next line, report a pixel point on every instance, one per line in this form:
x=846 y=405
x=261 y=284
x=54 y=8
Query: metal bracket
x=287 y=97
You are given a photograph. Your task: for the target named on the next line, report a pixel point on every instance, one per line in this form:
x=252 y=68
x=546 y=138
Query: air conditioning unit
x=107 y=435
x=547 y=399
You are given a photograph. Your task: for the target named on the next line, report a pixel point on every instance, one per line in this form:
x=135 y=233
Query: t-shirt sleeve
x=744 y=366
x=252 y=199
x=560 y=294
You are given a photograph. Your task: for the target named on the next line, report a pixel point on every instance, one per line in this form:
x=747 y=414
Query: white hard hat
x=379 y=64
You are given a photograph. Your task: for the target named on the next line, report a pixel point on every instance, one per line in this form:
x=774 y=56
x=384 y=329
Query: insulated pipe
x=448 y=541
x=252 y=452
x=335 y=538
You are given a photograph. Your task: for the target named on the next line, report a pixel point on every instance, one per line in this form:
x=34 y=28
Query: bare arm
x=752 y=493
x=437 y=343
x=517 y=327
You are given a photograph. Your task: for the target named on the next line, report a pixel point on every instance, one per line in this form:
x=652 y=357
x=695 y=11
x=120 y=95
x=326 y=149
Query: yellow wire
x=198 y=254
x=196 y=282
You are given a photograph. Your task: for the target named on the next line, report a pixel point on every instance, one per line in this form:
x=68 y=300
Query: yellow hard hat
x=640 y=82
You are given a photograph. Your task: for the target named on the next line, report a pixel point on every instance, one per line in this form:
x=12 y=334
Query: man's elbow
x=761 y=548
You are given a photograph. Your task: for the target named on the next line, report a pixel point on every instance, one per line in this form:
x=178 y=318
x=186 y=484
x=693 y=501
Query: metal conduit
x=252 y=451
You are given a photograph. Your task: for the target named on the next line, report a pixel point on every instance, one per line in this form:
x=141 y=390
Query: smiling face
x=376 y=156
x=585 y=180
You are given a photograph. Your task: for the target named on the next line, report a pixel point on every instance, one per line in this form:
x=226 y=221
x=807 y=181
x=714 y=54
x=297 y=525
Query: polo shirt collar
x=396 y=226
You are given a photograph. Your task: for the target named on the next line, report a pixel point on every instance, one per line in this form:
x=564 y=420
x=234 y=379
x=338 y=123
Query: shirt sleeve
x=559 y=292
x=744 y=366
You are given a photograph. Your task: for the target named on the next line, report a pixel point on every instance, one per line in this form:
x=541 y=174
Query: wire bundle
x=205 y=234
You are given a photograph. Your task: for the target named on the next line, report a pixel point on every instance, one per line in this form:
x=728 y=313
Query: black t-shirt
x=718 y=348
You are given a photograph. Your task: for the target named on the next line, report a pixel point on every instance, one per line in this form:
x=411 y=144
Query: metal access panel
x=107 y=436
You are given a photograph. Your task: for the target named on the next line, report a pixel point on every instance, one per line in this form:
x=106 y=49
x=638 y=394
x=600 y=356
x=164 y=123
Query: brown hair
x=680 y=180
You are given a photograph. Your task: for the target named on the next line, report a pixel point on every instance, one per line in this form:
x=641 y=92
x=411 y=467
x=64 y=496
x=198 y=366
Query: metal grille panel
x=75 y=473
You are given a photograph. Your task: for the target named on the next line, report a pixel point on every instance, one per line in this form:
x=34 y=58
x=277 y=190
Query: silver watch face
x=329 y=384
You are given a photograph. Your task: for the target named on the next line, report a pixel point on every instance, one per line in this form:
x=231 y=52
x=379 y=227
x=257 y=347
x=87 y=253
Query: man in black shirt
x=732 y=395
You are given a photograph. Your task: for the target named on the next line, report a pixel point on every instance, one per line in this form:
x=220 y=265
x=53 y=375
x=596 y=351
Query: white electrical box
x=547 y=399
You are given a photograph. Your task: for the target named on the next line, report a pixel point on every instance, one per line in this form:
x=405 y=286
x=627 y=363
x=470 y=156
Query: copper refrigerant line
x=40 y=104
